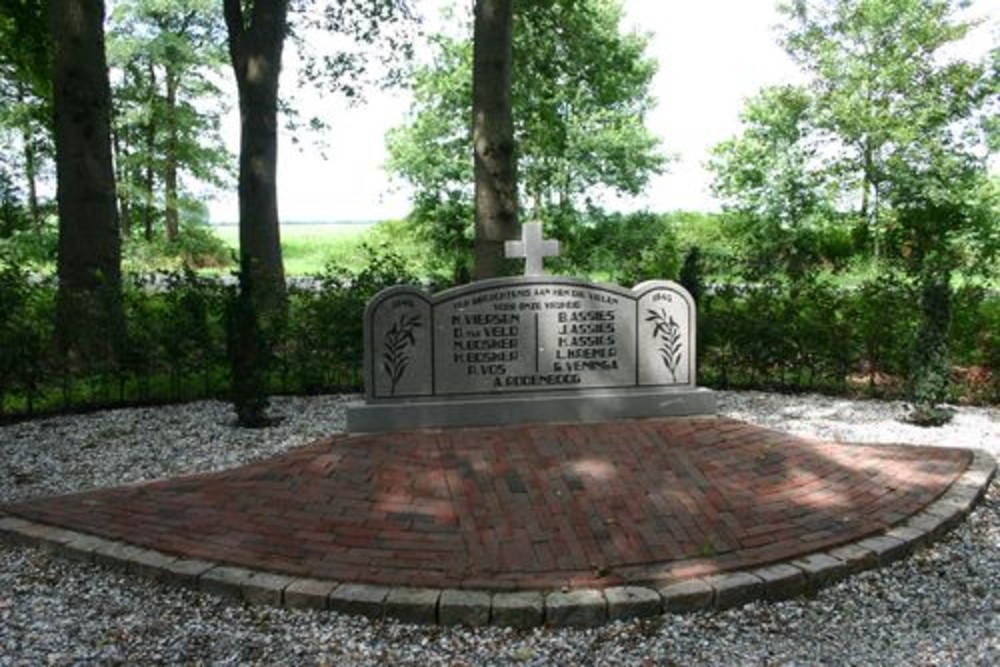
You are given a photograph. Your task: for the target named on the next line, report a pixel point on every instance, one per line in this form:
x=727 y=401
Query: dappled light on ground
x=535 y=506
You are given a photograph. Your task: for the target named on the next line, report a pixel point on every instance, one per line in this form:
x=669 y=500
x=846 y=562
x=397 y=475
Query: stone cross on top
x=532 y=247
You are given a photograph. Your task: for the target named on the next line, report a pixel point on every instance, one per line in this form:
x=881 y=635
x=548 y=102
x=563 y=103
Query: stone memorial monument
x=532 y=348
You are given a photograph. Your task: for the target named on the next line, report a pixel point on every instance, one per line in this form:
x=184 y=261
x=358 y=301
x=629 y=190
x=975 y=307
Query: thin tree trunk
x=30 y=164
x=171 y=216
x=89 y=319
x=864 y=188
x=493 y=135
x=150 y=176
x=31 y=175
x=121 y=179
x=869 y=209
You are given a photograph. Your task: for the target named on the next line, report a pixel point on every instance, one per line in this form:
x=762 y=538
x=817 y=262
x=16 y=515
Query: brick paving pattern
x=527 y=507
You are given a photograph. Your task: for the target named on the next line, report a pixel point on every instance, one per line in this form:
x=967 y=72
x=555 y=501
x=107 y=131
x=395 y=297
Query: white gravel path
x=939 y=607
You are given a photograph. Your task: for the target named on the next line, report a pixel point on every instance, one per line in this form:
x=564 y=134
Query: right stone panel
x=666 y=335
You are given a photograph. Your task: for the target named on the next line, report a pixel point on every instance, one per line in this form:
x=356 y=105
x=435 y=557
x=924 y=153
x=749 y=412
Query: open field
x=307 y=248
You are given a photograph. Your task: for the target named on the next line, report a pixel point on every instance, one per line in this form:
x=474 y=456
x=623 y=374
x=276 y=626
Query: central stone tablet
x=531 y=348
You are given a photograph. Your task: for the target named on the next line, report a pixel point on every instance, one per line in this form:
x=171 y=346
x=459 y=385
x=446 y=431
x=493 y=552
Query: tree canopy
x=892 y=131
x=167 y=56
x=882 y=82
x=581 y=91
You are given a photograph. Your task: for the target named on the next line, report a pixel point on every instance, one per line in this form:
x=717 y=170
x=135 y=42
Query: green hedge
x=770 y=336
x=816 y=337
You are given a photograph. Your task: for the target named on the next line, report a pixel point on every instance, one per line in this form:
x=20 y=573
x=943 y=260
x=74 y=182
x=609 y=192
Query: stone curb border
x=524 y=609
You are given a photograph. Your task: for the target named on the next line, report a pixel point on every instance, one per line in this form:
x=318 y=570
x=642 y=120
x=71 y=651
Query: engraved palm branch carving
x=669 y=332
x=398 y=340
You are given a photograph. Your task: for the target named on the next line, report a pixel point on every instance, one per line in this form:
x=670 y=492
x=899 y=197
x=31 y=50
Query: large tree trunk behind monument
x=493 y=135
x=89 y=310
x=255 y=47
x=255 y=51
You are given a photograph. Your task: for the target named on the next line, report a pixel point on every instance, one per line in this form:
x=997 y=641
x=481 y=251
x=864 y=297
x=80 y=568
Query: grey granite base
x=504 y=409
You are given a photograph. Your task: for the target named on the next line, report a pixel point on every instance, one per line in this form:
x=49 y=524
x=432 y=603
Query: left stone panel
x=399 y=333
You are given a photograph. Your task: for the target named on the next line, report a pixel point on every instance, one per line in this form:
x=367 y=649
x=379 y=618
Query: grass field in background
x=308 y=248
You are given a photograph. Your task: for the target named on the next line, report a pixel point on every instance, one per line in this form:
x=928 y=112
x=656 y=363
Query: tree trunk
x=30 y=163
x=255 y=51
x=171 y=216
x=869 y=208
x=30 y=174
x=118 y=148
x=493 y=135
x=89 y=319
x=149 y=180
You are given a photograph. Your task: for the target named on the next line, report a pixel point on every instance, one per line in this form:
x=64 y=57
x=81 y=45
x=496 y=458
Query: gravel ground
x=939 y=607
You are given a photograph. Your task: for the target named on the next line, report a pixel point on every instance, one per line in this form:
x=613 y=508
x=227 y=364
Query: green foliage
x=580 y=95
x=26 y=144
x=884 y=319
x=627 y=248
x=195 y=247
x=26 y=317
x=327 y=325
x=33 y=246
x=975 y=340
x=774 y=190
x=812 y=336
x=692 y=274
x=176 y=331
x=402 y=238
x=815 y=336
x=13 y=216
x=883 y=84
x=25 y=44
x=885 y=148
x=166 y=56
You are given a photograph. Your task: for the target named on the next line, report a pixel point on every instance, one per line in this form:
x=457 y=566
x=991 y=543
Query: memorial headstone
x=527 y=349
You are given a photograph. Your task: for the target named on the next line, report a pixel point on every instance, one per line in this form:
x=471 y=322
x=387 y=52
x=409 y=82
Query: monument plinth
x=528 y=349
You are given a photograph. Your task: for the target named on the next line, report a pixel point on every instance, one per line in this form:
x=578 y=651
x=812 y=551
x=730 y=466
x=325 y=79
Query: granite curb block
x=413 y=605
x=782 y=581
x=518 y=610
x=364 y=599
x=458 y=607
x=625 y=602
x=734 y=589
x=523 y=609
x=584 y=607
x=309 y=594
x=686 y=596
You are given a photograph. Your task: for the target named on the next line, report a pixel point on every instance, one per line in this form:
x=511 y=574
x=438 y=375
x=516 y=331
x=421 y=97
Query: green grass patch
x=307 y=248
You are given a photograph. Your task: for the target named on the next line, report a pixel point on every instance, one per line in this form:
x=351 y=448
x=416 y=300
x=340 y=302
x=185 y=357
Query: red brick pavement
x=537 y=506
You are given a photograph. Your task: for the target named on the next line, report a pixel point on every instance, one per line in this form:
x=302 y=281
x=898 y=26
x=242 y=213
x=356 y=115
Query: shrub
x=803 y=336
x=198 y=247
x=883 y=317
x=325 y=343
x=627 y=248
x=32 y=246
x=26 y=333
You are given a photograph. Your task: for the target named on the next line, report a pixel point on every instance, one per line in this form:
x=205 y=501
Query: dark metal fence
x=806 y=338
